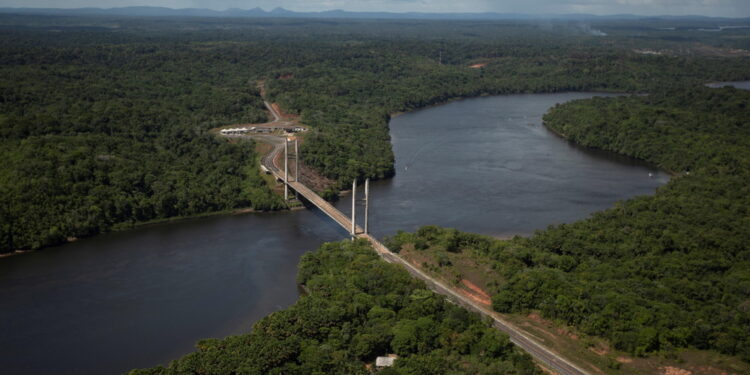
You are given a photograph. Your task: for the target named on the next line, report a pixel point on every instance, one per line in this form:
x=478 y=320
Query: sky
x=720 y=8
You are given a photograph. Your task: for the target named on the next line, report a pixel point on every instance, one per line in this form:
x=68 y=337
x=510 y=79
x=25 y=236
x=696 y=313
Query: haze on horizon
x=715 y=8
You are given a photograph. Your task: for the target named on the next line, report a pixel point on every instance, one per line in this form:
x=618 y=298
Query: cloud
x=730 y=8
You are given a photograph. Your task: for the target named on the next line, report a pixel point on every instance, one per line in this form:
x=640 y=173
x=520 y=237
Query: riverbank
x=564 y=137
x=393 y=115
x=17 y=252
x=129 y=226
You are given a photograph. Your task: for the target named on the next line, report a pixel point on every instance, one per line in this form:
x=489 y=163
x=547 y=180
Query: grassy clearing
x=591 y=353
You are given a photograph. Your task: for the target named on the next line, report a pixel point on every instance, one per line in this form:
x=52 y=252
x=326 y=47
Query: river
x=142 y=297
x=743 y=85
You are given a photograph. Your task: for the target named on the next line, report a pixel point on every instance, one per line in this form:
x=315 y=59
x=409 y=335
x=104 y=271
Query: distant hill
x=146 y=11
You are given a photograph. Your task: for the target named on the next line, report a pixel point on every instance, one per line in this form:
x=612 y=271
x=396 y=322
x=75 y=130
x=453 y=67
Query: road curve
x=276 y=114
x=278 y=147
x=276 y=141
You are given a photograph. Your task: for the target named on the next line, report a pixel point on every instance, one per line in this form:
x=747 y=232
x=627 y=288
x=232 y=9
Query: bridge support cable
x=354 y=209
x=286 y=169
x=367 y=205
x=296 y=166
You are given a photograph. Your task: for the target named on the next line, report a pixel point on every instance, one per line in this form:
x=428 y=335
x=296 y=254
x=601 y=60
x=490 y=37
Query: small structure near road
x=388 y=361
x=289 y=129
x=262 y=129
x=237 y=130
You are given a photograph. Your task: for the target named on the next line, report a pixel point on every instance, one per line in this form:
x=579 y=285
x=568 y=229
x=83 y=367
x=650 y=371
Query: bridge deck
x=531 y=346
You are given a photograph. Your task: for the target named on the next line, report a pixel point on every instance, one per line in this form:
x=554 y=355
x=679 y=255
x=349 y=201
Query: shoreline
x=14 y=253
x=651 y=164
x=239 y=211
x=128 y=226
x=395 y=114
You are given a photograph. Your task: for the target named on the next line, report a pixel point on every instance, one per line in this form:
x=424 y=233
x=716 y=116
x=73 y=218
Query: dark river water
x=744 y=85
x=142 y=297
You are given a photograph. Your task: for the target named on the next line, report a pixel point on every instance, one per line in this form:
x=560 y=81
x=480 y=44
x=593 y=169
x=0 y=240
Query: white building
x=384 y=361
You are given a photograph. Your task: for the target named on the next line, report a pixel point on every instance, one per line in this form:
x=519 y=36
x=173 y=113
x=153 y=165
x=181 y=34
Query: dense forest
x=358 y=308
x=105 y=135
x=654 y=273
x=103 y=121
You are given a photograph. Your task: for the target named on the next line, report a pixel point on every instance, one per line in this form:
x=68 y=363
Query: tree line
x=103 y=136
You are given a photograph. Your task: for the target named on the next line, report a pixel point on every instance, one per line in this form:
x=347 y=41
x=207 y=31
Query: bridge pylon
x=286 y=168
x=353 y=231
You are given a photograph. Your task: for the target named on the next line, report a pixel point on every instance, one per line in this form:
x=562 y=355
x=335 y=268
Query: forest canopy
x=105 y=122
